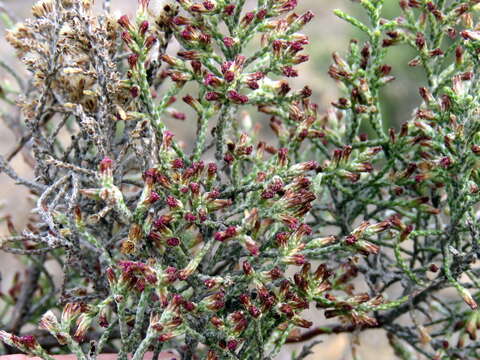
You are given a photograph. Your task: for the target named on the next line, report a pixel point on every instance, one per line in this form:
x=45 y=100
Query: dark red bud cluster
x=229 y=233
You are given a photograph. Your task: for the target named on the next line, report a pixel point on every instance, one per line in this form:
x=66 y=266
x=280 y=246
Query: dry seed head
x=42 y=8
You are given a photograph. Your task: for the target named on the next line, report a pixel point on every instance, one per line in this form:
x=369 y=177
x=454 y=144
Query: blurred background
x=327 y=34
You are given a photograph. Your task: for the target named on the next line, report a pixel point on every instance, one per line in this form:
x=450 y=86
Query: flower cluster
x=216 y=247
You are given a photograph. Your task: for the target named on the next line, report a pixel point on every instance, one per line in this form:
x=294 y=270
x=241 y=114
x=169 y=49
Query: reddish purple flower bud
x=220 y=236
x=216 y=321
x=187 y=34
x=212 y=81
x=111 y=276
x=150 y=176
x=103 y=320
x=28 y=342
x=196 y=66
x=215 y=302
x=247 y=268
x=178 y=76
x=306 y=18
x=210 y=283
x=259 y=75
x=420 y=40
x=306 y=92
x=205 y=38
x=194 y=103
x=173 y=242
x=433 y=268
x=290 y=221
x=289 y=71
x=276 y=273
x=232 y=345
x=170 y=60
x=228 y=158
x=194 y=188
x=267 y=194
x=190 y=217
x=150 y=41
x=240 y=325
x=245 y=299
x=470 y=35
x=254 y=311
x=229 y=9
x=214 y=194
x=212 y=169
x=229 y=76
x=124 y=22
x=208 y=5
x=248 y=18
x=153 y=198
x=212 y=96
x=283 y=6
x=445 y=162
x=228 y=41
x=135 y=91
x=189 y=306
x=173 y=203
x=262 y=14
x=237 y=98
x=252 y=84
x=302 y=322
x=296 y=259
x=282 y=156
x=143 y=27
x=226 y=66
x=187 y=55
x=350 y=239
x=127 y=38
x=177 y=164
x=132 y=60
x=295 y=47
x=106 y=165
x=299 y=59
x=436 y=52
x=171 y=273
x=167 y=139
x=231 y=231
x=165 y=337
x=202 y=215
x=144 y=4
x=245 y=150
x=180 y=21
x=276 y=185
x=136 y=275
x=287 y=310
x=251 y=246
x=277 y=47
x=198 y=166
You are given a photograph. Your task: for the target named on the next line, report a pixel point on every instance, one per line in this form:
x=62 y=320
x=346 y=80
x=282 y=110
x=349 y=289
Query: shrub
x=215 y=248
